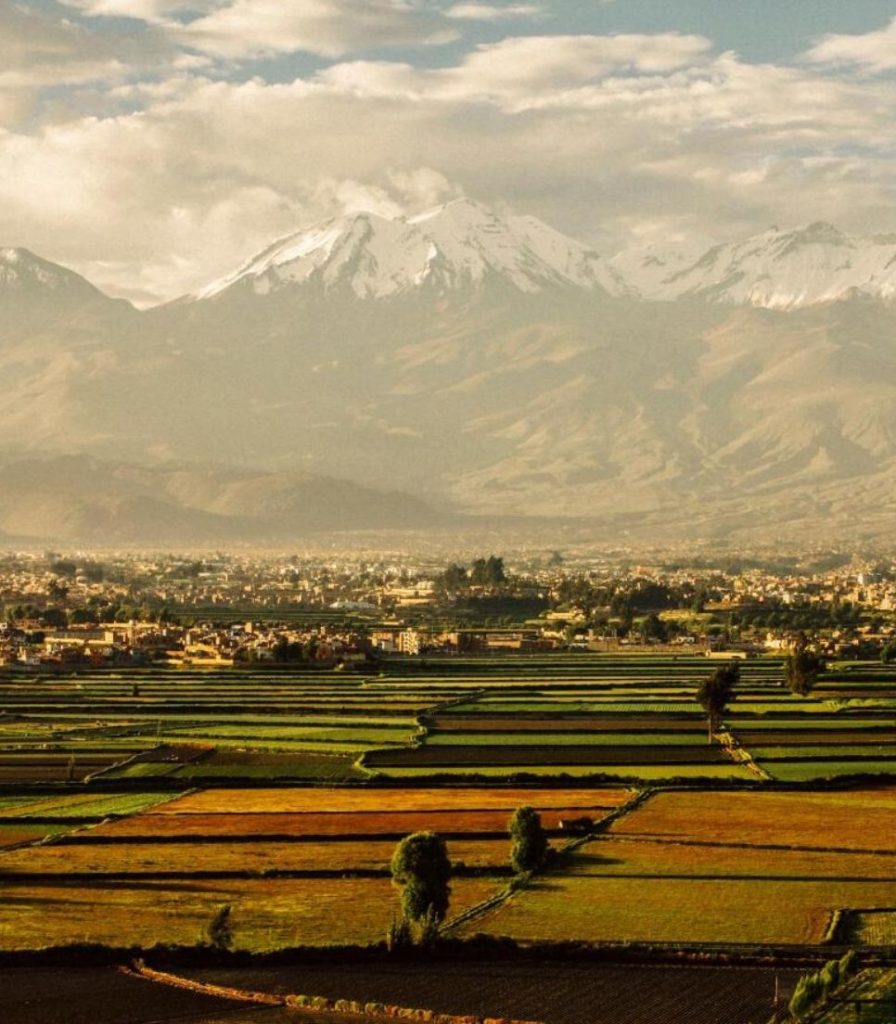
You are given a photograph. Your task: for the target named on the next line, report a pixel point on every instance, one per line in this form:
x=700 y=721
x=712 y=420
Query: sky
x=154 y=145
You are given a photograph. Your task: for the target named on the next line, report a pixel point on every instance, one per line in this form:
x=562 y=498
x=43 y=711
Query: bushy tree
x=529 y=844
x=422 y=870
x=716 y=692
x=801 y=669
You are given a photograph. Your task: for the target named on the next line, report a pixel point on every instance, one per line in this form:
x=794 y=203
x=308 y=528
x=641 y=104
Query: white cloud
x=875 y=51
x=491 y=12
x=605 y=137
x=330 y=28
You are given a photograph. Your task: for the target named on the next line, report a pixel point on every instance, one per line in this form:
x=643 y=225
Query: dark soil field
x=433 y=757
x=104 y=995
x=550 y=991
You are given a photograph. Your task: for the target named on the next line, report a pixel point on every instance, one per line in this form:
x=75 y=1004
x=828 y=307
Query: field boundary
x=320 y=1004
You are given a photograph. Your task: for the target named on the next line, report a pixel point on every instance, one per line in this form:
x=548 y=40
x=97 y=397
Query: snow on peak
x=775 y=269
x=457 y=244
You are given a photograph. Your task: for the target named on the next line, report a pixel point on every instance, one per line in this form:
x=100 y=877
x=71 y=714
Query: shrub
x=220 y=930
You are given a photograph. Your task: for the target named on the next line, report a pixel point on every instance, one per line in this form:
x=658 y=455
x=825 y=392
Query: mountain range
x=460 y=363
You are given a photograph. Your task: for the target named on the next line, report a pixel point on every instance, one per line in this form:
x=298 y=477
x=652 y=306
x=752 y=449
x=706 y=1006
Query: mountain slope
x=78 y=498
x=775 y=270
x=497 y=376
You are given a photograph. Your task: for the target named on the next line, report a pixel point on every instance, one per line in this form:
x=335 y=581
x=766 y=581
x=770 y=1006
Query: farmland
x=162 y=796
x=631 y=718
x=550 y=990
x=749 y=867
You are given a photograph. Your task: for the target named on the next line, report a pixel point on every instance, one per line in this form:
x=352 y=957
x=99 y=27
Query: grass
x=690 y=910
x=809 y=771
x=83 y=805
x=267 y=913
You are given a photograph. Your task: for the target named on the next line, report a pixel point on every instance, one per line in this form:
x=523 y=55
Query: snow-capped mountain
x=486 y=362
x=456 y=245
x=775 y=269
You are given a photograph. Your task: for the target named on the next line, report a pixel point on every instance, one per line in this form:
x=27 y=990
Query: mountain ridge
x=480 y=396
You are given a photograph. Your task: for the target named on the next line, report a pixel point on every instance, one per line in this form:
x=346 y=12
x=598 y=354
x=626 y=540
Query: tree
x=488 y=572
x=716 y=692
x=529 y=846
x=422 y=870
x=801 y=668
x=220 y=930
x=453 y=580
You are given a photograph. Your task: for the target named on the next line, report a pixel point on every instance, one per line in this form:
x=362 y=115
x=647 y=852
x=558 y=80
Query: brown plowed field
x=89 y=995
x=549 y=991
x=369 y=823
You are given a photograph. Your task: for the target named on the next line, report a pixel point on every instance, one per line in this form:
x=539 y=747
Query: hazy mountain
x=79 y=498
x=776 y=269
x=485 y=364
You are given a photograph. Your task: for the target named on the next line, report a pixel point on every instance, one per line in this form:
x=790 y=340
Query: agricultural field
x=549 y=990
x=268 y=913
x=625 y=717
x=706 y=868
x=178 y=791
x=42 y=995
x=178 y=859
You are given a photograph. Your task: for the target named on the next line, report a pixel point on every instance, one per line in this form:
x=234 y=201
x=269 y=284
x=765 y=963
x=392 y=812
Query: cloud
x=875 y=51
x=523 y=71
x=184 y=175
x=492 y=12
x=329 y=28
x=43 y=52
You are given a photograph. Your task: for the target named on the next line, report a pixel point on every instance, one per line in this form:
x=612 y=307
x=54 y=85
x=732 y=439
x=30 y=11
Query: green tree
x=422 y=870
x=529 y=844
x=801 y=669
x=716 y=692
